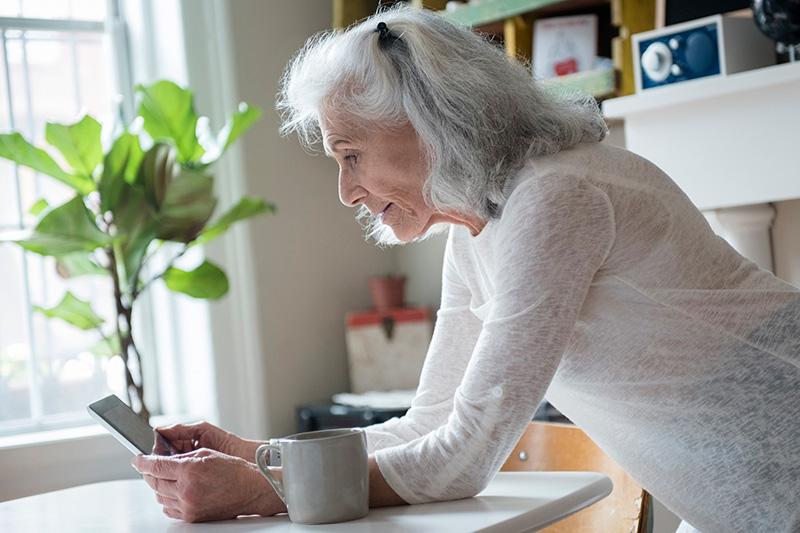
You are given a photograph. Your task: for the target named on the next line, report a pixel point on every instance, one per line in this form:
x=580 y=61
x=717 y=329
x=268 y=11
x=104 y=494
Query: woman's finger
x=164 y=446
x=178 y=432
x=172 y=513
x=157 y=466
x=201 y=452
x=164 y=487
x=166 y=501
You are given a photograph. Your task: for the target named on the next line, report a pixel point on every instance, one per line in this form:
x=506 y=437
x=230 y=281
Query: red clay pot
x=388 y=292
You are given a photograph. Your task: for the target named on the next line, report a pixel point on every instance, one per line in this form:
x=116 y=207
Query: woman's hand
x=189 y=437
x=205 y=485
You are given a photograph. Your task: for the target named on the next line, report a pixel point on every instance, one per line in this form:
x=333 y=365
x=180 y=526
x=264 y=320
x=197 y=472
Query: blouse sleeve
x=555 y=235
x=453 y=340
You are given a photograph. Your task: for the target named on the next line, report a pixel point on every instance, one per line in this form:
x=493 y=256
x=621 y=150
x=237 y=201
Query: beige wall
x=311 y=260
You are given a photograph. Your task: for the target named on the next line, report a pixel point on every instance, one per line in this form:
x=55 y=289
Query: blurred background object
x=780 y=21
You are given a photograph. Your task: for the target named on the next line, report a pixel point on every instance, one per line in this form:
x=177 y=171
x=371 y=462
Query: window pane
x=55 y=76
x=71 y=376
x=45 y=9
x=10 y=8
x=94 y=77
x=88 y=9
x=9 y=215
x=44 y=85
x=4 y=119
x=14 y=343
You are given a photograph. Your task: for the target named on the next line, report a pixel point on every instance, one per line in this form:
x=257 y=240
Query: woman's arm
x=454 y=337
x=380 y=493
x=555 y=236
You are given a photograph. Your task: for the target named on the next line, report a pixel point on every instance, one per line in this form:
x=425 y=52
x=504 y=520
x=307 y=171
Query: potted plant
x=146 y=189
x=388 y=291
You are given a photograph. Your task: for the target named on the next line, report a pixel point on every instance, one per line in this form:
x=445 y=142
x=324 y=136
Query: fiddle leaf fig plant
x=148 y=188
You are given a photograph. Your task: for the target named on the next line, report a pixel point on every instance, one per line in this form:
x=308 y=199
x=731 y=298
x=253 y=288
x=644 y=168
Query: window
x=59 y=59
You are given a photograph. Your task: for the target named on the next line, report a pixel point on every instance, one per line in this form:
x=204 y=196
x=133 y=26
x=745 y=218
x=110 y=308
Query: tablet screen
x=123 y=423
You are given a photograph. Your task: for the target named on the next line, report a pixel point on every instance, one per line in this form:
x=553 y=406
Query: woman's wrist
x=247 y=449
x=265 y=501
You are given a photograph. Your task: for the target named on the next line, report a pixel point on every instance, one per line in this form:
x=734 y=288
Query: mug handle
x=263 y=466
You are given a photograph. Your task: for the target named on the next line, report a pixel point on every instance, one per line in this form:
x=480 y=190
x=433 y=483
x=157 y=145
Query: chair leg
x=645 y=524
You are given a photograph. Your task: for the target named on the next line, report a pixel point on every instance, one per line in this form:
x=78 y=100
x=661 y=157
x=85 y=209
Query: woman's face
x=385 y=171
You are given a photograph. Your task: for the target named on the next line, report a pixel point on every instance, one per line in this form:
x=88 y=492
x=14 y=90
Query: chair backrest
x=558 y=447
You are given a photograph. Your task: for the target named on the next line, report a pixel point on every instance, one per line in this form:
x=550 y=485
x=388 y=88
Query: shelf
x=597 y=82
x=725 y=141
x=490 y=11
x=702 y=89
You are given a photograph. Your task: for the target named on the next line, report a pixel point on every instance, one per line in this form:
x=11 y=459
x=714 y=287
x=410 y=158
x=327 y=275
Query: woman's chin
x=402 y=235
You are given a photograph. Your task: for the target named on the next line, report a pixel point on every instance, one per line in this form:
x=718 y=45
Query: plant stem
x=124 y=312
x=150 y=281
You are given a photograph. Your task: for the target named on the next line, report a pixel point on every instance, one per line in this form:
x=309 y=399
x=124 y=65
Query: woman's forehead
x=340 y=128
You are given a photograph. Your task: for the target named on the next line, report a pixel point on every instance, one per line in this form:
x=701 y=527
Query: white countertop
x=514 y=501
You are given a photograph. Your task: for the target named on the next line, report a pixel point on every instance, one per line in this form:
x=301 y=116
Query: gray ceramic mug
x=325 y=474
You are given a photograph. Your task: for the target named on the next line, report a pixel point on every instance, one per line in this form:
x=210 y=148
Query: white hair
x=479 y=115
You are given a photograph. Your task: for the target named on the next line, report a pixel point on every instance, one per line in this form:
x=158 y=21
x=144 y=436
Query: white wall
x=312 y=262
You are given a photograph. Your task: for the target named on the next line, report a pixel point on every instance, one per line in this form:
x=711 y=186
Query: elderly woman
x=572 y=268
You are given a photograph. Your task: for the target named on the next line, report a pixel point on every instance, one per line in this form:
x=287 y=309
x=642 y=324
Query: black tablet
x=128 y=428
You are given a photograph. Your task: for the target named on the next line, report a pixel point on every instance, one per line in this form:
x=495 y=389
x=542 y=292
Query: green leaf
x=121 y=165
x=240 y=122
x=66 y=229
x=73 y=311
x=247 y=207
x=137 y=225
x=78 y=264
x=107 y=347
x=79 y=143
x=168 y=113
x=157 y=170
x=205 y=281
x=13 y=146
x=188 y=204
x=39 y=206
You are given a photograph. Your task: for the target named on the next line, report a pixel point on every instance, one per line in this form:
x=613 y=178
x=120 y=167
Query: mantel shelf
x=695 y=91
x=728 y=141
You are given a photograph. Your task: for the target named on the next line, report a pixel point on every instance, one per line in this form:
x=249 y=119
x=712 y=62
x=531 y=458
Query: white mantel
x=727 y=142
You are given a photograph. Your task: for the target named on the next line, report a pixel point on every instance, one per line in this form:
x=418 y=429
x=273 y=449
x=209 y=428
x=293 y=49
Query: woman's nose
x=350 y=193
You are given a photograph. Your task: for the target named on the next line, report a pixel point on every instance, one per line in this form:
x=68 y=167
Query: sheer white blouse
x=604 y=288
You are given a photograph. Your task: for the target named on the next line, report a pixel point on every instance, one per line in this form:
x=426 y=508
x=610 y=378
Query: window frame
x=194 y=47
x=114 y=28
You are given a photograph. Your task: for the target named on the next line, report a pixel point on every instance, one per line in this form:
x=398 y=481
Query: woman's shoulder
x=579 y=161
x=542 y=182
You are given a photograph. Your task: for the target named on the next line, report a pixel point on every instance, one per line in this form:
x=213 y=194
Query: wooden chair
x=559 y=447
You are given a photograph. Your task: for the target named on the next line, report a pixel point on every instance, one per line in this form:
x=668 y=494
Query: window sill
x=88 y=431
x=43 y=461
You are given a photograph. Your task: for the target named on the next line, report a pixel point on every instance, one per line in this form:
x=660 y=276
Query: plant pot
x=388 y=292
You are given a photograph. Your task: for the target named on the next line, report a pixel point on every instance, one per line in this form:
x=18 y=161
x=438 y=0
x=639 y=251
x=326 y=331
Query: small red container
x=388 y=292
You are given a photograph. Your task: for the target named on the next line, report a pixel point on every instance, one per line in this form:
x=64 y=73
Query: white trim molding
x=235 y=321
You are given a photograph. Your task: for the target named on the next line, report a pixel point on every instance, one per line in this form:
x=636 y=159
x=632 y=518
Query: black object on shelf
x=327 y=415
